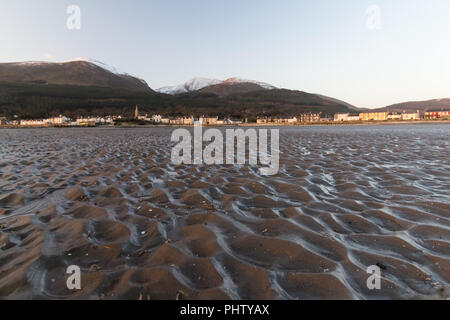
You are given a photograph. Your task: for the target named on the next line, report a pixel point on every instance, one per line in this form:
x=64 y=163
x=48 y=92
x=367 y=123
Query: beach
x=110 y=201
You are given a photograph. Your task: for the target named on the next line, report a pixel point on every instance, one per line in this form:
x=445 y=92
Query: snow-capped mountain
x=200 y=83
x=106 y=67
x=82 y=84
x=77 y=72
x=80 y=59
x=189 y=86
x=259 y=83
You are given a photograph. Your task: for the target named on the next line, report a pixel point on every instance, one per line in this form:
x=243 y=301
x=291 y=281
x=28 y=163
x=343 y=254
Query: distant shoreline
x=331 y=123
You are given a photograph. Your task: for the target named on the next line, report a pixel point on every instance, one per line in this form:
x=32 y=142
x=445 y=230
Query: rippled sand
x=110 y=201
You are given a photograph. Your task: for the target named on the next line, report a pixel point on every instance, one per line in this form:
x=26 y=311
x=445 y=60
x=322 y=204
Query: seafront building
x=32 y=123
x=307 y=117
x=346 y=117
x=303 y=117
x=209 y=120
x=411 y=116
x=378 y=116
x=176 y=121
x=394 y=116
x=353 y=117
x=437 y=114
x=156 y=118
x=55 y=121
x=188 y=121
x=285 y=120
x=64 y=121
x=341 y=117
x=92 y=121
x=326 y=118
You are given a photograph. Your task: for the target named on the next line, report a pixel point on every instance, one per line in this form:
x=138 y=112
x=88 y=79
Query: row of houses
x=377 y=116
x=94 y=121
x=303 y=117
x=61 y=121
x=384 y=116
x=346 y=117
x=365 y=116
x=440 y=114
x=54 y=121
x=187 y=121
x=206 y=120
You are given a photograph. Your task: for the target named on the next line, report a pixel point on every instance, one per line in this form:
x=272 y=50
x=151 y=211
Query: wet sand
x=111 y=202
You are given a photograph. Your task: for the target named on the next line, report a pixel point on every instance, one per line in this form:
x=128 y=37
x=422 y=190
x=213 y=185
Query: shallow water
x=111 y=202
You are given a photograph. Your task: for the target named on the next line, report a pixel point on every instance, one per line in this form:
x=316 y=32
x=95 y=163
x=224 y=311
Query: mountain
x=80 y=88
x=74 y=73
x=226 y=89
x=285 y=102
x=197 y=84
x=418 y=105
x=259 y=83
x=276 y=102
x=189 y=86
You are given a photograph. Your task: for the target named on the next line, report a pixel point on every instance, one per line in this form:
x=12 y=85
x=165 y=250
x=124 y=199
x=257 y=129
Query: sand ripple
x=111 y=202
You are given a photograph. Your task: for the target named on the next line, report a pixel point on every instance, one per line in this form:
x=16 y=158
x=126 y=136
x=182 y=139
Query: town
x=303 y=118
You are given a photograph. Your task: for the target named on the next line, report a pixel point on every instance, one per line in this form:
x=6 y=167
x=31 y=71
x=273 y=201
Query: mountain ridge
x=76 y=72
x=197 y=84
x=413 y=106
x=80 y=88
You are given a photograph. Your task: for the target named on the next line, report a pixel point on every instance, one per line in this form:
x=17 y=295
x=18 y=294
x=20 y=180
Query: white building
x=156 y=118
x=346 y=117
x=57 y=120
x=394 y=116
x=411 y=116
x=32 y=123
x=353 y=117
x=341 y=117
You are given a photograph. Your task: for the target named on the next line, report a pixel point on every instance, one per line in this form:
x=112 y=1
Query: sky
x=367 y=53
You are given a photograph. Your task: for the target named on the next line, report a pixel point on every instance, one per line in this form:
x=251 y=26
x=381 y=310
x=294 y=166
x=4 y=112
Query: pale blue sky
x=315 y=46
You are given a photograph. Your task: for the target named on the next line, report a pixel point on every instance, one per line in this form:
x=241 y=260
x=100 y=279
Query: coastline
x=330 y=123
